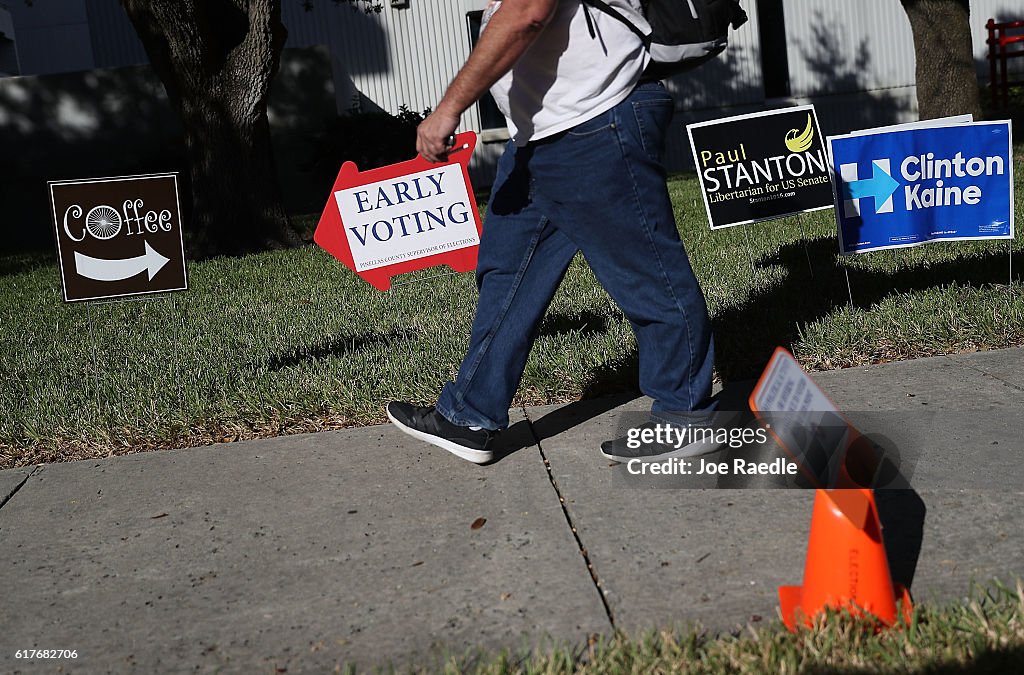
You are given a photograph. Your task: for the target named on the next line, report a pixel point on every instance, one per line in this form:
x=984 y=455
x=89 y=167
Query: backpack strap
x=611 y=11
x=590 y=21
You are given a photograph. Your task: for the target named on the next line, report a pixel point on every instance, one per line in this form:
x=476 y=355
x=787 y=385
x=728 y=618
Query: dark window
x=490 y=116
x=774 y=61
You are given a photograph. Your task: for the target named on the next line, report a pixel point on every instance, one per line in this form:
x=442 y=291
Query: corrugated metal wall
x=397 y=57
x=854 y=60
x=114 y=41
x=394 y=58
x=733 y=79
x=859 y=46
x=8 y=48
x=840 y=47
x=53 y=36
x=407 y=56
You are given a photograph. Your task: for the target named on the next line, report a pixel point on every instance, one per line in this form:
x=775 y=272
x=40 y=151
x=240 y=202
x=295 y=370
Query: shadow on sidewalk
x=901 y=511
x=528 y=433
x=902 y=514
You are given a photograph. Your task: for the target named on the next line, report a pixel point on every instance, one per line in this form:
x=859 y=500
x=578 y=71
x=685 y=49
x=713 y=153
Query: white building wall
x=854 y=60
x=398 y=57
x=114 y=41
x=407 y=56
x=840 y=47
x=53 y=36
x=868 y=43
x=395 y=57
x=732 y=79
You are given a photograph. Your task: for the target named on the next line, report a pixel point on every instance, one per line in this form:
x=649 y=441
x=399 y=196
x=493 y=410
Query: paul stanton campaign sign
x=914 y=186
x=761 y=166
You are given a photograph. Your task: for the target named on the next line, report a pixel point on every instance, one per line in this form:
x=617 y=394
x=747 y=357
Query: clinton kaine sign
x=907 y=186
x=404 y=217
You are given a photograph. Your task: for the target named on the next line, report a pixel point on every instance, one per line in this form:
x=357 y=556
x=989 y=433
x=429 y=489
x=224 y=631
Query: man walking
x=582 y=173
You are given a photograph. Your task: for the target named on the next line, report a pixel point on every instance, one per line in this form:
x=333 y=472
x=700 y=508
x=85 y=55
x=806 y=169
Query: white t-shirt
x=567 y=77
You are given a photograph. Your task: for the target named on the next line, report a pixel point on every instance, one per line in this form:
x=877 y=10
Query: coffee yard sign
x=118 y=237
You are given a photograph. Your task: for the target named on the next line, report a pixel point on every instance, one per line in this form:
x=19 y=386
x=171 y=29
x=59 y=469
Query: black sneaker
x=653 y=441
x=429 y=425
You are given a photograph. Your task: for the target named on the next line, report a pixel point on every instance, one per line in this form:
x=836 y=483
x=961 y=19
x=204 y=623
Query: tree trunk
x=947 y=83
x=216 y=59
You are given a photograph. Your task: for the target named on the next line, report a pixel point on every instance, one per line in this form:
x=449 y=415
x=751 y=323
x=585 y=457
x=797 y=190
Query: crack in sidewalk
x=964 y=364
x=572 y=525
x=35 y=470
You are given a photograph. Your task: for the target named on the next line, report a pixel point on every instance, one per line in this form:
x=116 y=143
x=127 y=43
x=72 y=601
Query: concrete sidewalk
x=297 y=554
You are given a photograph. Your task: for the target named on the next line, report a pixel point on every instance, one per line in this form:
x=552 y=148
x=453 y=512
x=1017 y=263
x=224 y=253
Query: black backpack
x=684 y=33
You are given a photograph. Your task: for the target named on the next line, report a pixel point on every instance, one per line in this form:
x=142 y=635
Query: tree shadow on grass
x=987 y=661
x=582 y=323
x=19 y=263
x=338 y=346
x=994 y=661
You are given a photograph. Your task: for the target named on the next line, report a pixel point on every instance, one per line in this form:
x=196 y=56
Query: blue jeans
x=598 y=188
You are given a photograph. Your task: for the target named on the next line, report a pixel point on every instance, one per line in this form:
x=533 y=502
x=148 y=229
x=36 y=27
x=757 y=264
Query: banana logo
x=800 y=142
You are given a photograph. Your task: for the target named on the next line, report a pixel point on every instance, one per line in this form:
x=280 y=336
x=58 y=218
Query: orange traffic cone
x=846 y=564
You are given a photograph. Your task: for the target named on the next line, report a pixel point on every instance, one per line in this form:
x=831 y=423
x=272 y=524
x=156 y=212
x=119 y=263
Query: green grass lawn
x=984 y=635
x=293 y=341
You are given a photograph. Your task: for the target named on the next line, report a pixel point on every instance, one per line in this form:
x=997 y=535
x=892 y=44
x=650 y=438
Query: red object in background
x=1001 y=47
x=398 y=181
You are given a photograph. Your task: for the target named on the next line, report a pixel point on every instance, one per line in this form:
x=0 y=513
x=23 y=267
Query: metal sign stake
x=803 y=239
x=177 y=355
x=849 y=288
x=95 y=365
x=750 y=258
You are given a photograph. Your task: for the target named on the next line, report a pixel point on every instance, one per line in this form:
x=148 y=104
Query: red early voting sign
x=404 y=217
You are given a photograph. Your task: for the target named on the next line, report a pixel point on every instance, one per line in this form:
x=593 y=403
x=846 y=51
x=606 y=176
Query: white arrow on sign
x=99 y=269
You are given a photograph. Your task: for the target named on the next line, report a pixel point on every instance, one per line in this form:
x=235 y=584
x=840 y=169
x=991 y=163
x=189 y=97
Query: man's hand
x=432 y=134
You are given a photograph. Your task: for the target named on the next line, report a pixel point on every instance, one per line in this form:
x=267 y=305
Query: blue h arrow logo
x=880 y=187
